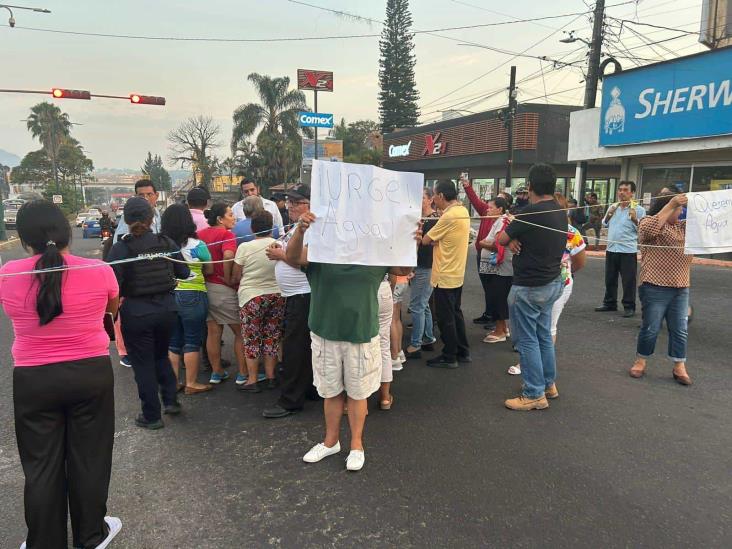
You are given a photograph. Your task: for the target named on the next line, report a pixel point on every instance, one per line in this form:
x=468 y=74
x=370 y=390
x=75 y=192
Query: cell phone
x=465 y=176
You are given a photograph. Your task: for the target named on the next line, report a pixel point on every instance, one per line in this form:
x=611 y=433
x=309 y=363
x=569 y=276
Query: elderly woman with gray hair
x=243 y=228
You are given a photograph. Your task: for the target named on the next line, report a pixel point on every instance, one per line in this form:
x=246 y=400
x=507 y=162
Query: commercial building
x=668 y=124
x=477 y=144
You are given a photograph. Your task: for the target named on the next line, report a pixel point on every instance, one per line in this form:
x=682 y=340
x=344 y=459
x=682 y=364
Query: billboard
x=329 y=149
x=308 y=79
x=686 y=98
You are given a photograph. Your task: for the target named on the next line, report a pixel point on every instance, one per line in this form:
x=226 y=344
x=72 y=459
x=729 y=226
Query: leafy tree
x=354 y=137
x=154 y=169
x=193 y=143
x=278 y=142
x=398 y=96
x=50 y=126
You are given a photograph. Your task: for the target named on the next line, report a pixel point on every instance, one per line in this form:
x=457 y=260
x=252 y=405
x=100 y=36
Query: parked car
x=81 y=218
x=91 y=228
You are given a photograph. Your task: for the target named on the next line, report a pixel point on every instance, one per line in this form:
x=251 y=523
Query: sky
x=203 y=78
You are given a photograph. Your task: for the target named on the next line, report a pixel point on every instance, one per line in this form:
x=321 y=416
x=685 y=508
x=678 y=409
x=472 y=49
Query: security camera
x=11 y=21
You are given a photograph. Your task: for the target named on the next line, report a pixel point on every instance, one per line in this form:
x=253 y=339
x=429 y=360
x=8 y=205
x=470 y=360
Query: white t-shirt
x=258 y=276
x=291 y=280
x=238 y=211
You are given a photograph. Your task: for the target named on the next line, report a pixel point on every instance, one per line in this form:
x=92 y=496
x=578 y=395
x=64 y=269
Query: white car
x=81 y=218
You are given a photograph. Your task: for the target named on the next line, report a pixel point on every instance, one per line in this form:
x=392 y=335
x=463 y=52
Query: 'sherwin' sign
x=682 y=99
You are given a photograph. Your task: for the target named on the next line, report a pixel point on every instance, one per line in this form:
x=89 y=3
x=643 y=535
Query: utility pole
x=511 y=114
x=315 y=93
x=593 y=74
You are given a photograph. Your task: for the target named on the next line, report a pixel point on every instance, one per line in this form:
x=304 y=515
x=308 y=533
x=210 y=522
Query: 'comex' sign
x=315 y=120
x=686 y=98
x=397 y=151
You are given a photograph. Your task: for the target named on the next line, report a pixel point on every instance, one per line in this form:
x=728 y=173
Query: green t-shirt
x=343 y=304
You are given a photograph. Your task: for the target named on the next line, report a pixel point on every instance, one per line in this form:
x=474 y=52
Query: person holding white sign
x=665 y=277
x=344 y=321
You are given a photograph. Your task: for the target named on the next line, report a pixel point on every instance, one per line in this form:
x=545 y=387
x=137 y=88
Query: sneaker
x=515 y=370
x=114 y=525
x=482 y=319
x=277 y=411
x=218 y=378
x=241 y=379
x=442 y=362
x=250 y=388
x=464 y=359
x=172 y=409
x=524 y=403
x=551 y=391
x=140 y=421
x=401 y=357
x=320 y=451
x=125 y=361
x=355 y=460
x=396 y=365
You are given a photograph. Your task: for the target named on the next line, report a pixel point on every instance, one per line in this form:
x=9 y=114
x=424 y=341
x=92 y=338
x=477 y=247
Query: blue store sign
x=681 y=99
x=315 y=120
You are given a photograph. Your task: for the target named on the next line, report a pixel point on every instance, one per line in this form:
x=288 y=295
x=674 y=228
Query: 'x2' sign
x=433 y=146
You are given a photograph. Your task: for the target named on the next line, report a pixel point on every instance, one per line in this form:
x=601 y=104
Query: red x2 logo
x=433 y=146
x=314 y=80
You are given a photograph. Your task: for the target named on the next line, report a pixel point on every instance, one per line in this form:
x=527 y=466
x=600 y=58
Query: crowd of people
x=308 y=330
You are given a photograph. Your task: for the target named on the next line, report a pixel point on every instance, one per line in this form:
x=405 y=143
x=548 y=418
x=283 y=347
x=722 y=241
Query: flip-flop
x=386 y=404
x=490 y=338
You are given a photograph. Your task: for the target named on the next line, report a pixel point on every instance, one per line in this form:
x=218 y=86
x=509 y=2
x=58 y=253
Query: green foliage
x=356 y=147
x=398 y=96
x=154 y=169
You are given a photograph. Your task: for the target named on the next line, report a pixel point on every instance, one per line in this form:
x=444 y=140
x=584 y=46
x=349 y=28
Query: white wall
x=584 y=135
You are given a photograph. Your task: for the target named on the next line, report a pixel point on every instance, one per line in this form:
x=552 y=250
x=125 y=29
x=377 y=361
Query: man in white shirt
x=250 y=188
x=297 y=370
x=144 y=188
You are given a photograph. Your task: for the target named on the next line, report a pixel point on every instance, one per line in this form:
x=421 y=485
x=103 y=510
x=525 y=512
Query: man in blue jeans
x=537 y=284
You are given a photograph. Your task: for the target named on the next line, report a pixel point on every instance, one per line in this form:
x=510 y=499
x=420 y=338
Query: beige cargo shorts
x=343 y=366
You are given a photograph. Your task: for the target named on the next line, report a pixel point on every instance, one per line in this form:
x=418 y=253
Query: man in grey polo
x=621 y=256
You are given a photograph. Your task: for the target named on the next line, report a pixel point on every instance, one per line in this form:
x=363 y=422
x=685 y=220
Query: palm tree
x=276 y=114
x=49 y=125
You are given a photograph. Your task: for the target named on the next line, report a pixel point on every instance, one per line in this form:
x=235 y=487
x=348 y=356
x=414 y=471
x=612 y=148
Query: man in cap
x=281 y=200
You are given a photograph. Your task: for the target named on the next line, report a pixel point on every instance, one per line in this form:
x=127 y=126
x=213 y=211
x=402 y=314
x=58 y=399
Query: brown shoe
x=551 y=391
x=196 y=390
x=682 y=379
x=638 y=370
x=524 y=403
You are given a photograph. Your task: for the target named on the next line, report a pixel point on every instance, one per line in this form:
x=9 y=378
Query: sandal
x=515 y=370
x=491 y=338
x=636 y=372
x=386 y=404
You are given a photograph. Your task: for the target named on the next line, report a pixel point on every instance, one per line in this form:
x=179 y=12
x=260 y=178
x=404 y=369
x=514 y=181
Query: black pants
x=147 y=337
x=484 y=283
x=451 y=322
x=297 y=360
x=625 y=265
x=498 y=288
x=64 y=424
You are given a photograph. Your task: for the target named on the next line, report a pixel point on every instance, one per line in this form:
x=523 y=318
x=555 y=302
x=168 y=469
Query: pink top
x=76 y=333
x=199 y=219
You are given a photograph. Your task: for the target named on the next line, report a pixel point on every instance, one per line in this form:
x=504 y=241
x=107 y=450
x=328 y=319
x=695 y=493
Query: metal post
x=509 y=126
x=593 y=73
x=53 y=156
x=315 y=92
x=3 y=233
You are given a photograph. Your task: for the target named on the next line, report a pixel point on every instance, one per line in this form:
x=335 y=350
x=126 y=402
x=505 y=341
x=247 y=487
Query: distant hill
x=9 y=159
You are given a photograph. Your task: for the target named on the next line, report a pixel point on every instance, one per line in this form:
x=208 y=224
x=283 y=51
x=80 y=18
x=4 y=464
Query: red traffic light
x=61 y=93
x=146 y=99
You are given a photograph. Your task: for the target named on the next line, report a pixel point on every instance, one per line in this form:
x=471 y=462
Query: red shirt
x=482 y=209
x=218 y=240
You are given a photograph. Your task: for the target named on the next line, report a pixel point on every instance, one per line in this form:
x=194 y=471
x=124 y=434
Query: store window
x=672 y=177
x=712 y=178
x=484 y=187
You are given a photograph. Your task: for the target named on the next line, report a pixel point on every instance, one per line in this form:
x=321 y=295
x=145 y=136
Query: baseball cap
x=300 y=192
x=137 y=209
x=198 y=194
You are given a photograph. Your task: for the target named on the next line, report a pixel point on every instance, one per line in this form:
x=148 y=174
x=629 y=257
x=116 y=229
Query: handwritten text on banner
x=709 y=223
x=365 y=215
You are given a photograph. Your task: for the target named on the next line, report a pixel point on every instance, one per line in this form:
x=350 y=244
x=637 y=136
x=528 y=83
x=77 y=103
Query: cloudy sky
x=210 y=78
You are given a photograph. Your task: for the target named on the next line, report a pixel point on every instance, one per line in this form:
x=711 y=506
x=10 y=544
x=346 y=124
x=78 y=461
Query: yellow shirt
x=451 y=252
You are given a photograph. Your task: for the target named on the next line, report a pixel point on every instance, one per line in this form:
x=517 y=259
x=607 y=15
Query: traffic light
x=61 y=93
x=146 y=99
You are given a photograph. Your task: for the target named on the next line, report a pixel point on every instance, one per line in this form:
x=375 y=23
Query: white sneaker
x=401 y=357
x=22 y=545
x=355 y=460
x=114 y=525
x=396 y=365
x=515 y=370
x=320 y=451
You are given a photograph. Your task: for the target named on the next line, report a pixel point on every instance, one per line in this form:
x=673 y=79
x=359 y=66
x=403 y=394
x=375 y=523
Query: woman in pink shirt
x=63 y=387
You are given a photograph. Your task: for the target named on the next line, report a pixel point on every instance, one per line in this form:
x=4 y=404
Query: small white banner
x=58 y=199
x=365 y=215
x=709 y=223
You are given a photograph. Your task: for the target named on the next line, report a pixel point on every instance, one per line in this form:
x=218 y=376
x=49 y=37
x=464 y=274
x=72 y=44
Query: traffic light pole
x=593 y=74
x=509 y=126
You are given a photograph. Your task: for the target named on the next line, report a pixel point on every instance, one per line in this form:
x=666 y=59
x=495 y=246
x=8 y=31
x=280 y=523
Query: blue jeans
x=187 y=334
x=659 y=302
x=531 y=330
x=419 y=305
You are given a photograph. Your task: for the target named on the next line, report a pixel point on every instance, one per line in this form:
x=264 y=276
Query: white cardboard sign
x=709 y=223
x=365 y=215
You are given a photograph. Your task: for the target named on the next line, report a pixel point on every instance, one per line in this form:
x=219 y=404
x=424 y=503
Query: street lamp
x=571 y=39
x=11 y=21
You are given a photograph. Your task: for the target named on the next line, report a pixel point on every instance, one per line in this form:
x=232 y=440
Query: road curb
x=9 y=242
x=697 y=260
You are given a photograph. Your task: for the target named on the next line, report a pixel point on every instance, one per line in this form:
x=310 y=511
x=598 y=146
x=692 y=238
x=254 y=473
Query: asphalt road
x=615 y=462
